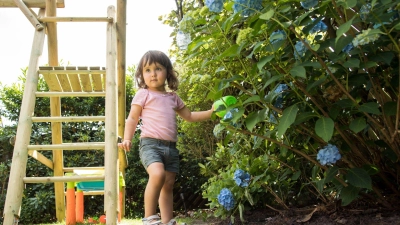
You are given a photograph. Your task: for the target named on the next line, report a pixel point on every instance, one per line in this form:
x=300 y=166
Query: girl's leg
x=157 y=178
x=166 y=200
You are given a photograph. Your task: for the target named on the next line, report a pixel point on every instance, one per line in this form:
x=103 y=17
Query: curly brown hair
x=155 y=56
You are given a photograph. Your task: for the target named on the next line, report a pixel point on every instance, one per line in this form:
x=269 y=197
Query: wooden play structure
x=107 y=81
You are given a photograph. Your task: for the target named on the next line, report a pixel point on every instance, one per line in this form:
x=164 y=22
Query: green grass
x=124 y=222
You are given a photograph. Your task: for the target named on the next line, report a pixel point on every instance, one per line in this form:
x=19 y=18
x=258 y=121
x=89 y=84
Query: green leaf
x=268 y=15
x=271 y=80
x=331 y=174
x=351 y=63
x=345 y=103
x=248 y=196
x=397 y=26
x=264 y=60
x=254 y=98
x=304 y=116
x=348 y=194
x=359 y=178
x=254 y=118
x=232 y=51
x=324 y=128
x=343 y=28
x=226 y=26
x=358 y=125
x=287 y=119
x=370 y=107
x=320 y=185
x=241 y=210
x=390 y=108
x=296 y=175
x=298 y=71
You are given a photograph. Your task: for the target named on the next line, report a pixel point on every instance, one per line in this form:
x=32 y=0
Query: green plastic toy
x=224 y=103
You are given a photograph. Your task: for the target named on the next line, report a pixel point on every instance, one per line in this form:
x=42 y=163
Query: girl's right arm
x=130 y=127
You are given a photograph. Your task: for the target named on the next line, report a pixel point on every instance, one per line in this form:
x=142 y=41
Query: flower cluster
x=225 y=198
x=186 y=23
x=229 y=114
x=328 y=155
x=364 y=11
x=300 y=50
x=276 y=36
x=215 y=5
x=319 y=27
x=241 y=178
x=365 y=37
x=243 y=35
x=308 y=4
x=348 y=48
x=218 y=130
x=247 y=7
x=182 y=40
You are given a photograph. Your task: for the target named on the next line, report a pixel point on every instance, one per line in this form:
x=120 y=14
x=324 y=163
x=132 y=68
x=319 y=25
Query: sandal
x=171 y=222
x=152 y=220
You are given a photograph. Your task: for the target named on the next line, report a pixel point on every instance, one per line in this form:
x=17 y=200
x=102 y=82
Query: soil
x=312 y=215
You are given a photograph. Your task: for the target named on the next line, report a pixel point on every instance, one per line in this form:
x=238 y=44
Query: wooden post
x=20 y=156
x=121 y=60
x=29 y=14
x=111 y=136
x=55 y=110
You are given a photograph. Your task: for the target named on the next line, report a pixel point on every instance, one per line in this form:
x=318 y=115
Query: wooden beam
x=30 y=3
x=75 y=19
x=41 y=158
x=111 y=183
x=61 y=179
x=71 y=146
x=15 y=188
x=70 y=94
x=29 y=15
x=68 y=119
x=82 y=70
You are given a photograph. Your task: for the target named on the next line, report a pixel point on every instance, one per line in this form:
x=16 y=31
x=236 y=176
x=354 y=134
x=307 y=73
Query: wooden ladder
x=67 y=82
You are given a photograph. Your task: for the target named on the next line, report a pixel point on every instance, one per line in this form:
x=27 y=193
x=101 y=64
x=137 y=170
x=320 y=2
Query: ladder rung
x=71 y=169
x=70 y=94
x=70 y=146
x=61 y=179
x=68 y=119
x=90 y=193
x=52 y=72
x=76 y=19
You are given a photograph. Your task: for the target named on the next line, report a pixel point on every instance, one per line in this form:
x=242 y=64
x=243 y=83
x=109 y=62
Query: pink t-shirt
x=158 y=113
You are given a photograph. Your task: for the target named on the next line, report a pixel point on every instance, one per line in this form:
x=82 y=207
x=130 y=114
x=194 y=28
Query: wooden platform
x=74 y=79
x=30 y=3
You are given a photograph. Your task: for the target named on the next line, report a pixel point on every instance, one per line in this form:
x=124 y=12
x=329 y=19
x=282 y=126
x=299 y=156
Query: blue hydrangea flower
x=364 y=11
x=300 y=50
x=241 y=178
x=307 y=4
x=183 y=40
x=328 y=155
x=319 y=27
x=348 y=48
x=276 y=36
x=247 y=7
x=280 y=88
x=225 y=198
x=215 y=5
x=229 y=114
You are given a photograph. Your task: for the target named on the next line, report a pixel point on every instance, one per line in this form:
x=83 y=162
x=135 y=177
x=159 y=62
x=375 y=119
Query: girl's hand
x=126 y=145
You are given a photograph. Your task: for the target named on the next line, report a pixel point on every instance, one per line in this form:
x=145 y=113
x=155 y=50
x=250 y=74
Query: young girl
x=157 y=108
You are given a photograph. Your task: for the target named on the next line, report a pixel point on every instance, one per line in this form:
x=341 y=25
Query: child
x=157 y=108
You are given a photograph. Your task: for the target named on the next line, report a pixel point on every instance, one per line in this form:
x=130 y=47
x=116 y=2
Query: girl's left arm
x=190 y=116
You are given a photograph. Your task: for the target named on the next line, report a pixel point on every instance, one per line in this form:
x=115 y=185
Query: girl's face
x=154 y=76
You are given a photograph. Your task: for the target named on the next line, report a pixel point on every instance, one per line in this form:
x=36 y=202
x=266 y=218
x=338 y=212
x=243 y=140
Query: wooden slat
x=51 y=81
x=104 y=78
x=63 y=79
x=85 y=80
x=31 y=3
x=70 y=94
x=75 y=19
x=96 y=78
x=71 y=146
x=41 y=158
x=68 y=119
x=61 y=179
x=73 y=79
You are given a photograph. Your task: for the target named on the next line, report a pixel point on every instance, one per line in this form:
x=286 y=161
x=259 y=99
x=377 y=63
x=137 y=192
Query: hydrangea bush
x=333 y=133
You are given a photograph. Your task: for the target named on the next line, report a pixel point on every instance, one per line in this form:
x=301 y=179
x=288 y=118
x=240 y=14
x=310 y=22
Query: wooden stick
x=31 y=3
x=71 y=169
x=61 y=179
x=73 y=146
x=76 y=19
x=70 y=94
x=41 y=158
x=68 y=119
x=29 y=15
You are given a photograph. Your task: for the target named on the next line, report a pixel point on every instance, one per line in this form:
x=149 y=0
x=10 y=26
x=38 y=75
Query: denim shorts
x=153 y=150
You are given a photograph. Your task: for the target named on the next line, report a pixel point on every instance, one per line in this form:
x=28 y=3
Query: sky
x=83 y=44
